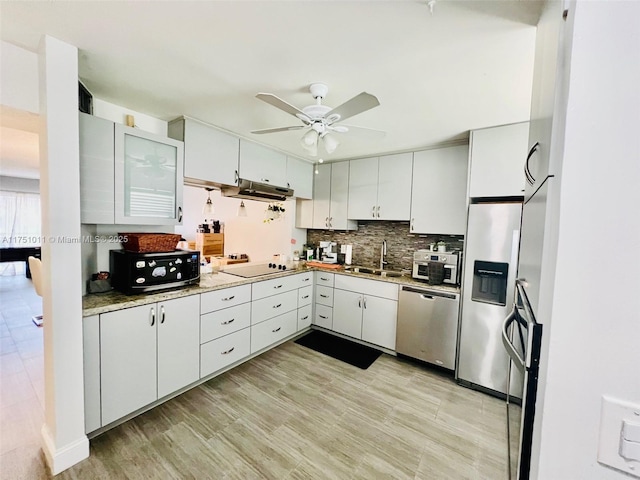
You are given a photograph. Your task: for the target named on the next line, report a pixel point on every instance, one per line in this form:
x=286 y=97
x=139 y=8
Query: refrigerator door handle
x=509 y=347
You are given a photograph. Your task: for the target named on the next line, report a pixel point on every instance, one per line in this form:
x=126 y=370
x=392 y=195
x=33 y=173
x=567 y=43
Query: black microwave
x=134 y=272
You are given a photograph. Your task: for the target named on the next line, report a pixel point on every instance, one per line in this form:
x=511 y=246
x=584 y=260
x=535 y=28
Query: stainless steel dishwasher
x=428 y=325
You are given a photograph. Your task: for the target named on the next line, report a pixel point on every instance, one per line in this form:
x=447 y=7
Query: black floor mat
x=339 y=348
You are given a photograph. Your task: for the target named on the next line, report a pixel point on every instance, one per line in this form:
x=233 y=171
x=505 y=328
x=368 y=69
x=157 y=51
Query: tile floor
x=21 y=379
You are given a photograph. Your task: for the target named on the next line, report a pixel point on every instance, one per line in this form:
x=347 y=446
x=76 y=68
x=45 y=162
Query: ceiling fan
x=151 y=165
x=321 y=120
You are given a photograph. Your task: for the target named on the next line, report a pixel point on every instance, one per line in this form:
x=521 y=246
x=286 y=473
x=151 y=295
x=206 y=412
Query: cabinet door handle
x=527 y=172
x=162 y=314
x=179 y=214
x=322 y=316
x=378 y=211
x=330 y=221
x=228 y=351
x=305 y=317
x=359 y=302
x=411 y=227
x=277 y=306
x=326 y=222
x=373 y=211
x=227 y=322
x=324 y=279
x=324 y=296
x=237 y=177
x=364 y=302
x=265 y=180
x=276 y=330
x=152 y=314
x=226 y=299
x=305 y=297
x=277 y=286
x=306 y=279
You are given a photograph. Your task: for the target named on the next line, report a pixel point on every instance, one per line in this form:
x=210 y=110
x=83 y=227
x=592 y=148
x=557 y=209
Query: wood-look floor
x=293 y=413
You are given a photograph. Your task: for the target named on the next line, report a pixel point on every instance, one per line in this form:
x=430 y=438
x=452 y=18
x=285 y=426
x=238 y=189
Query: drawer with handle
x=305 y=316
x=324 y=296
x=224 y=351
x=272 y=306
x=305 y=296
x=324 y=278
x=273 y=330
x=304 y=279
x=323 y=316
x=271 y=287
x=225 y=298
x=223 y=322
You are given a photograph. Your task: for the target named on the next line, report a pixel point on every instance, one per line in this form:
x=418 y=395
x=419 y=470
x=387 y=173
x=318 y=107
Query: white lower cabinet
x=272 y=306
x=347 y=307
x=91 y=364
x=224 y=351
x=366 y=309
x=273 y=330
x=379 y=319
x=147 y=352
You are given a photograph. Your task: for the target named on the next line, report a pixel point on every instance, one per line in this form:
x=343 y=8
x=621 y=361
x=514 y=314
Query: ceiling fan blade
x=277 y=102
x=361 y=131
x=358 y=104
x=279 y=129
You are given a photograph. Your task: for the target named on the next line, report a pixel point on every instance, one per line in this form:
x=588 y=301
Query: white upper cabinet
x=321 y=196
x=496 y=158
x=148 y=178
x=261 y=164
x=394 y=186
x=210 y=155
x=438 y=193
x=300 y=177
x=96 y=170
x=380 y=187
x=128 y=176
x=339 y=198
x=330 y=196
x=363 y=188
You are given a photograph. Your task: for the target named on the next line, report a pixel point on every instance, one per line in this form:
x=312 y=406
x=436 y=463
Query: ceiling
x=466 y=66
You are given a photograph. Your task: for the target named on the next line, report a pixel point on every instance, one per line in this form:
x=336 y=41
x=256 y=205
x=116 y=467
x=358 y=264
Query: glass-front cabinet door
x=148 y=178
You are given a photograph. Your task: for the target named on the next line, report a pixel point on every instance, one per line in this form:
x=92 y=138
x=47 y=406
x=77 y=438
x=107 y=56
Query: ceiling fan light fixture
x=330 y=143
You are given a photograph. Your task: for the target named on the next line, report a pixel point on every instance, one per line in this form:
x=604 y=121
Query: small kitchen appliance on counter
x=449 y=263
x=329 y=252
x=136 y=272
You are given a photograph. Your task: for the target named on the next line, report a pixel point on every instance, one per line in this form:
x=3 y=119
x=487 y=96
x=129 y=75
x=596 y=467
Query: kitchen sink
x=376 y=271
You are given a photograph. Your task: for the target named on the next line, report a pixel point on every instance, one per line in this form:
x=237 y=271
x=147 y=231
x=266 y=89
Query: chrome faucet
x=383 y=252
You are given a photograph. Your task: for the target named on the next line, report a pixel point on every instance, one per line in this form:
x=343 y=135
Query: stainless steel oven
x=522 y=337
x=450 y=261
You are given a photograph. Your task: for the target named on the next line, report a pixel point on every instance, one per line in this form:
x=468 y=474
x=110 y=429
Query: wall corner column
x=64 y=440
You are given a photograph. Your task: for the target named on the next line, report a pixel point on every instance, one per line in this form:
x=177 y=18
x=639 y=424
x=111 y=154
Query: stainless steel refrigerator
x=488 y=291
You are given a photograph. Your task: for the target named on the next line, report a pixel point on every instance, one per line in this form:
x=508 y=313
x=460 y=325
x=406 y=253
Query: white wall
x=249 y=234
x=117 y=114
x=593 y=337
x=19 y=78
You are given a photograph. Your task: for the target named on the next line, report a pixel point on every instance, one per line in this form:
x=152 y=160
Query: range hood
x=251 y=190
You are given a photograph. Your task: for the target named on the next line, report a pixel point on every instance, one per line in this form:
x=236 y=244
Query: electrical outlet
x=619 y=445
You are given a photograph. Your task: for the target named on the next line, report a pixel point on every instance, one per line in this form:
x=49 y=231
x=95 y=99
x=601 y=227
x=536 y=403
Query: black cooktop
x=250 y=271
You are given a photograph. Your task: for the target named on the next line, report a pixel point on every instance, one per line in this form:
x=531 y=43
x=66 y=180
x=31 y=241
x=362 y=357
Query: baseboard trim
x=60 y=459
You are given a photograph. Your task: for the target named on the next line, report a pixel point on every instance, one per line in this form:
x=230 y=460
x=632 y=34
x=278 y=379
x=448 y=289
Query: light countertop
x=95 y=304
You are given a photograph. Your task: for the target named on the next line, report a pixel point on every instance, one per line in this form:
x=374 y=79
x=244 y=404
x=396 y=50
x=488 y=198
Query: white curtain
x=19 y=225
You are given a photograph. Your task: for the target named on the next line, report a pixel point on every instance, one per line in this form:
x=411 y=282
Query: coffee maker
x=329 y=252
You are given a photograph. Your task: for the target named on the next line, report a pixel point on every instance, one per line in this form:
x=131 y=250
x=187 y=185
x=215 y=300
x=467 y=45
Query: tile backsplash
x=367 y=241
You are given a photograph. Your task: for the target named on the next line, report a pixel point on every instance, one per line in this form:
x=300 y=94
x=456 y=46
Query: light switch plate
x=614 y=412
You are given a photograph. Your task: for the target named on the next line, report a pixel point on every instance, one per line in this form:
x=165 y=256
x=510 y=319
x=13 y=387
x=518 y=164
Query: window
x=19 y=225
